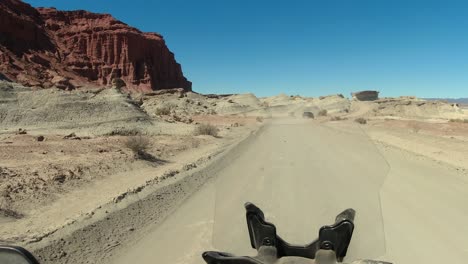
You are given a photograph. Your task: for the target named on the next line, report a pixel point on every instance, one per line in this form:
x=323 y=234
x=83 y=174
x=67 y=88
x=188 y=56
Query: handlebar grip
x=347 y=214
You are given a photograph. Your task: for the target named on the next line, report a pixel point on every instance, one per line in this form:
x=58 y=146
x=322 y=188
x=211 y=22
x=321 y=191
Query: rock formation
x=46 y=47
x=365 y=95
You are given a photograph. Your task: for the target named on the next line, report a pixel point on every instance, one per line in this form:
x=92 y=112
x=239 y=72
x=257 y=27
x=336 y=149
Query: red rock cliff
x=47 y=47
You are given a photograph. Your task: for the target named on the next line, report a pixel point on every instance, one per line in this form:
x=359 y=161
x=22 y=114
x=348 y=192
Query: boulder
x=365 y=95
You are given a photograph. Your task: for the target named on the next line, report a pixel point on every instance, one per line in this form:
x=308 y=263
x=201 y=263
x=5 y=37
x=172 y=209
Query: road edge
x=94 y=237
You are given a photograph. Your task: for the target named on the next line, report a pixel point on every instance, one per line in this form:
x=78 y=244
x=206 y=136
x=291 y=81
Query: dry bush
x=7 y=211
x=459 y=120
x=337 y=118
x=138 y=144
x=118 y=83
x=122 y=131
x=323 y=112
x=308 y=115
x=259 y=119
x=10 y=213
x=165 y=109
x=361 y=120
x=206 y=129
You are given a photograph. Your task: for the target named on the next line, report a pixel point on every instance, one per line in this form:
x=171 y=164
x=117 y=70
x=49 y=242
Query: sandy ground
x=52 y=183
x=65 y=154
x=444 y=142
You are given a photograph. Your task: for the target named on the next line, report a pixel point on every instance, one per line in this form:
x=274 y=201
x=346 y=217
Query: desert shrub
x=206 y=129
x=165 y=109
x=323 y=112
x=308 y=115
x=123 y=131
x=459 y=120
x=118 y=83
x=11 y=213
x=138 y=144
x=361 y=120
x=7 y=211
x=259 y=119
x=337 y=118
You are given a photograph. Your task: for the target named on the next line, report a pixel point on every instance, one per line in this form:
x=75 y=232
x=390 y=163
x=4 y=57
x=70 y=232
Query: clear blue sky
x=306 y=47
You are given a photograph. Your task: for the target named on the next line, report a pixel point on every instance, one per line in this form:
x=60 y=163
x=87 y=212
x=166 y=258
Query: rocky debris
x=184 y=119
x=189 y=166
x=62 y=83
x=59 y=255
x=171 y=107
x=338 y=118
x=365 y=95
x=72 y=136
x=21 y=131
x=328 y=96
x=361 y=120
x=413 y=107
x=167 y=91
x=60 y=178
x=217 y=96
x=118 y=83
x=7 y=173
x=169 y=174
x=46 y=47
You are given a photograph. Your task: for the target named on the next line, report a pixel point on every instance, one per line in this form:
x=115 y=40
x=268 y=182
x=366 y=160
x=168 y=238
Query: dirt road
x=302 y=173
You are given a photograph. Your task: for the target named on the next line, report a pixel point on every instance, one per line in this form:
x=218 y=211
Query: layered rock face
x=365 y=95
x=69 y=49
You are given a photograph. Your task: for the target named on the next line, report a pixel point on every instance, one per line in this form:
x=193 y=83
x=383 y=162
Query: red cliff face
x=68 y=49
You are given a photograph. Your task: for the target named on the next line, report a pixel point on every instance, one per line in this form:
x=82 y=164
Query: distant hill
x=450 y=100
